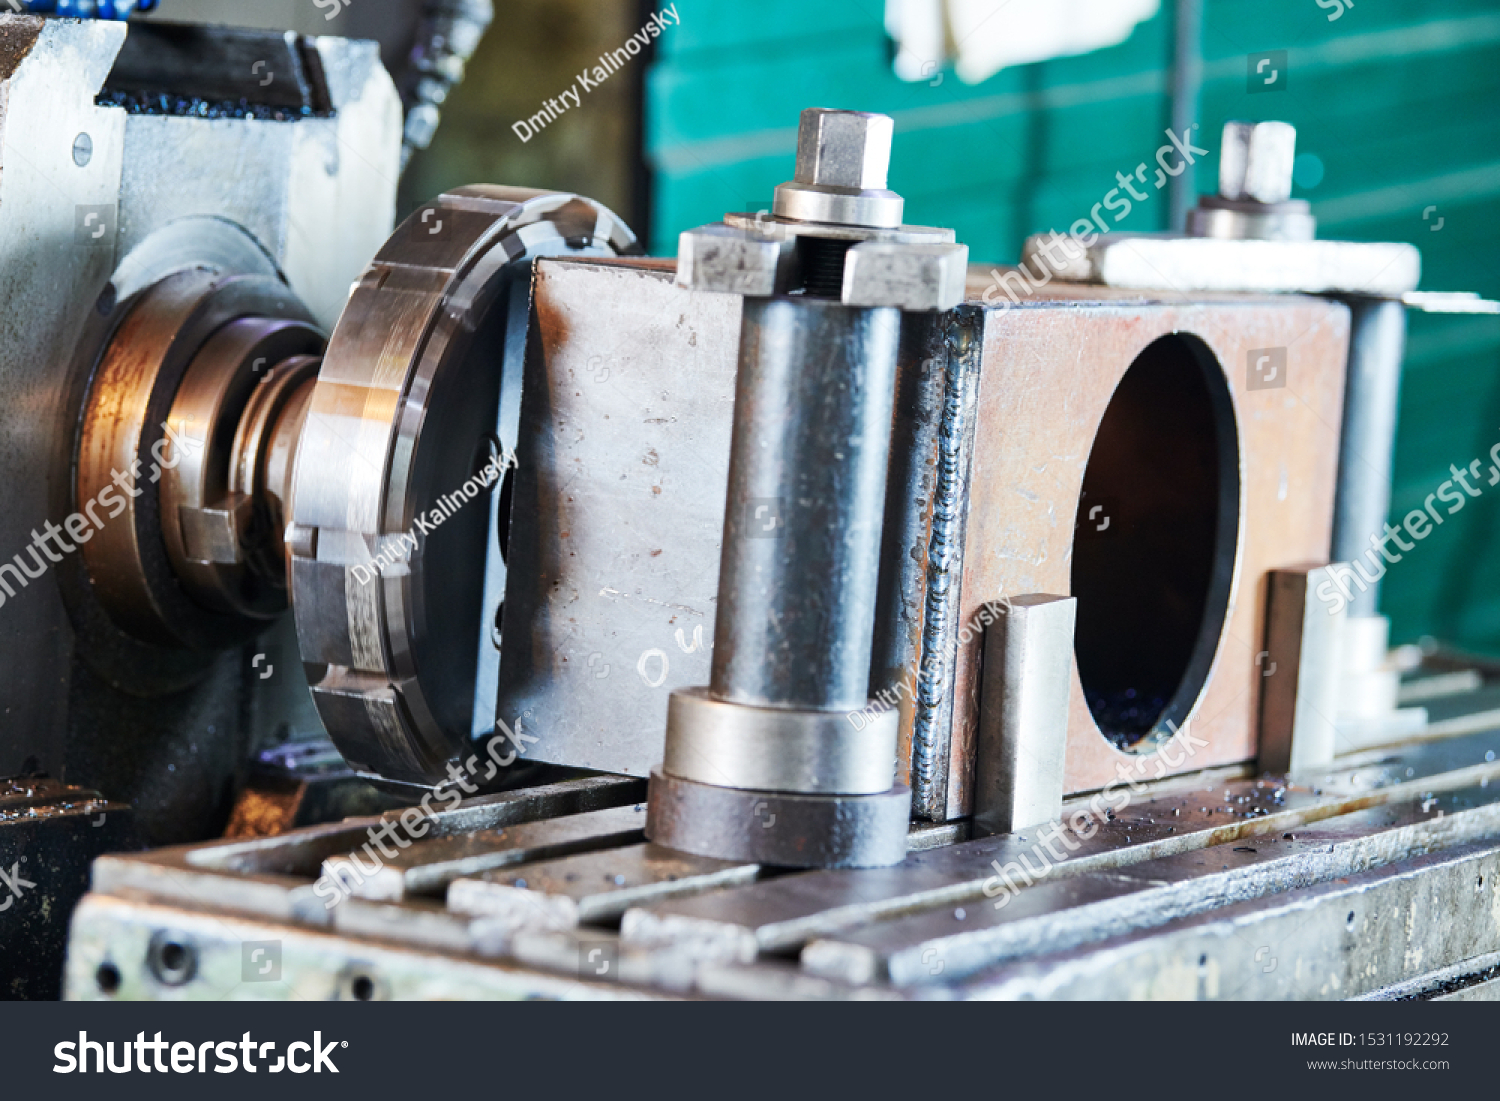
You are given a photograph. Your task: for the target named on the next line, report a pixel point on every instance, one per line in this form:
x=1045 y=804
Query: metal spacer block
x=1300 y=666
x=906 y=276
x=1023 y=712
x=729 y=260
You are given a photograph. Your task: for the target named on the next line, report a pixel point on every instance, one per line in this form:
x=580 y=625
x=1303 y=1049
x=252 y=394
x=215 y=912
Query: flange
x=778 y=827
x=395 y=521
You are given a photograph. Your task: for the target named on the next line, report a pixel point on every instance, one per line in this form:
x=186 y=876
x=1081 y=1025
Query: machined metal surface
x=779 y=827
x=626 y=438
x=594 y=887
x=427 y=867
x=1255 y=161
x=603 y=594
x=842 y=160
x=1367 y=445
x=389 y=547
x=156 y=438
x=1255 y=188
x=814 y=752
x=1301 y=666
x=799 y=577
x=807 y=469
x=1200 y=887
x=1022 y=739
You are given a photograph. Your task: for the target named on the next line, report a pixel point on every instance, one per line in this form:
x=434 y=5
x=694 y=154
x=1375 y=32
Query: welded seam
x=930 y=731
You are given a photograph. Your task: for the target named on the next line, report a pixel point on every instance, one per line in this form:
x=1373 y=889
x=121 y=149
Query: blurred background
x=1394 y=103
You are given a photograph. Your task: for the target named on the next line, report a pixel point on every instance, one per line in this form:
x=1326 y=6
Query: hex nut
x=1255 y=161
x=843 y=149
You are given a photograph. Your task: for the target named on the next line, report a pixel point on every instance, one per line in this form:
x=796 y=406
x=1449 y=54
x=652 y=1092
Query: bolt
x=1255 y=161
x=843 y=149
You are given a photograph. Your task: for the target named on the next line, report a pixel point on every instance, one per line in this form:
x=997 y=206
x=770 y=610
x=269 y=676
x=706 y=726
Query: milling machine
x=814 y=616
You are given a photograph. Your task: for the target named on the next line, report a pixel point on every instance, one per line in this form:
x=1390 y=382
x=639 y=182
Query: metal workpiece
x=806 y=501
x=779 y=828
x=842 y=160
x=1367 y=443
x=778 y=748
x=397 y=542
x=1301 y=668
x=1255 y=188
x=800 y=570
x=1022 y=739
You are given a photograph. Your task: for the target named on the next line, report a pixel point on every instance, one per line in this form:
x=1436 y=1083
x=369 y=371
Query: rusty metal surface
x=1030 y=431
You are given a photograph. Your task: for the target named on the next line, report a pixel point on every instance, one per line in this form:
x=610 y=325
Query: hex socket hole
x=172 y=958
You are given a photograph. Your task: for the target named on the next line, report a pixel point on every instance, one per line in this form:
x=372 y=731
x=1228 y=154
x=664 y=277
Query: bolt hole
x=1203 y=960
x=108 y=978
x=362 y=988
x=1350 y=920
x=172 y=959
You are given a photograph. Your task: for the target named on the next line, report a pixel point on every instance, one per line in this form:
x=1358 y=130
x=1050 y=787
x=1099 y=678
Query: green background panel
x=1395 y=99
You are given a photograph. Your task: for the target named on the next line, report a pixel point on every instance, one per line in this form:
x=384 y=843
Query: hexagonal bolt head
x=843 y=149
x=1255 y=161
